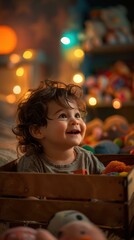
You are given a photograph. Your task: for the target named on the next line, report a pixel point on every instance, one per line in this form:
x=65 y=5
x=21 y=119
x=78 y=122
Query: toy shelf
x=111 y=49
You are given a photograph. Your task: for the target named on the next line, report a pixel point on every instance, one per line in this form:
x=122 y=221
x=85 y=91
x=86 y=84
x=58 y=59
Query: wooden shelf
x=104 y=105
x=110 y=49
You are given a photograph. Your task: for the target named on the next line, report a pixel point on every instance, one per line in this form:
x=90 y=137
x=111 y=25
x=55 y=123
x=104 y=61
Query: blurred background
x=87 y=42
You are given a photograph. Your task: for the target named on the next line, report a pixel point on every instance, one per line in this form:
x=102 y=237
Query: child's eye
x=63 y=116
x=78 y=115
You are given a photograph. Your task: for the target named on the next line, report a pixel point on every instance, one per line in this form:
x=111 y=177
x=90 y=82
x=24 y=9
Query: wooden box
x=108 y=201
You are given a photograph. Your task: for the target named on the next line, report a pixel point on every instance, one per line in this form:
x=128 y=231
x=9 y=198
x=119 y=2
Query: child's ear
x=36 y=131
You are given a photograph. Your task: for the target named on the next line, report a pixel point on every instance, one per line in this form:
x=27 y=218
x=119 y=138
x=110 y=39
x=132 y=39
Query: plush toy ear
x=36 y=131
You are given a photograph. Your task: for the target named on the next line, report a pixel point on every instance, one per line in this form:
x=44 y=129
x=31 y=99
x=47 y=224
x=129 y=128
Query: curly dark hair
x=33 y=110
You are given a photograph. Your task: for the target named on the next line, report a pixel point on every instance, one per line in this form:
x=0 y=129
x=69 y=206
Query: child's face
x=66 y=129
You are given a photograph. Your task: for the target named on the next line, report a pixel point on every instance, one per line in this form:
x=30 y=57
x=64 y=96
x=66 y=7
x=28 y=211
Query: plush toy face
x=80 y=231
x=26 y=233
x=19 y=233
x=62 y=218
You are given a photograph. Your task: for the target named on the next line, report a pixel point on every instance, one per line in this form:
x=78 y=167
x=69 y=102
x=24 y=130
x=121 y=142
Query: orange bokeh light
x=8 y=39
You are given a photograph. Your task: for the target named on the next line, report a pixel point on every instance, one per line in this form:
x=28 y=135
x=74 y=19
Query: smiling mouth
x=74 y=132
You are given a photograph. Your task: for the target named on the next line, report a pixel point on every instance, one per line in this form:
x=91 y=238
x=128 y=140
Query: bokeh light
x=11 y=98
x=92 y=101
x=27 y=54
x=17 y=89
x=8 y=39
x=78 y=78
x=116 y=103
x=20 y=72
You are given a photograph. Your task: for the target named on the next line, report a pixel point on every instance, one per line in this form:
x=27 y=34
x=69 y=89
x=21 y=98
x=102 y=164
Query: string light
x=20 y=72
x=92 y=101
x=78 y=78
x=17 y=89
x=116 y=103
x=27 y=54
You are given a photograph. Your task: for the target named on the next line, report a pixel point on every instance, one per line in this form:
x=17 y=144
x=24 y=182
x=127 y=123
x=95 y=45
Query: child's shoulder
x=80 y=149
x=26 y=162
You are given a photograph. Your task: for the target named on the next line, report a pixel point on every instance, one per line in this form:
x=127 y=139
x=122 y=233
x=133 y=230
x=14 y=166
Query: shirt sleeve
x=98 y=165
x=91 y=162
x=27 y=164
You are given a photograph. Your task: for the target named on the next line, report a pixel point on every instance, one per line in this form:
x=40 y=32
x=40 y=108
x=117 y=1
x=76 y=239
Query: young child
x=50 y=129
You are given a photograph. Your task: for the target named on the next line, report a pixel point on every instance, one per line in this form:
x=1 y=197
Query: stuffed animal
x=128 y=146
x=78 y=230
x=117 y=167
x=114 y=24
x=106 y=147
x=26 y=233
x=92 y=35
x=119 y=29
x=72 y=224
x=94 y=132
x=62 y=218
x=115 y=126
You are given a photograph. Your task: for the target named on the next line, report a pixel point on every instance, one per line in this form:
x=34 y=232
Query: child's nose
x=73 y=120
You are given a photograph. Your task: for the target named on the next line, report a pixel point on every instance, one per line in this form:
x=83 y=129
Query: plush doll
x=92 y=35
x=128 y=146
x=94 y=132
x=62 y=218
x=106 y=147
x=19 y=233
x=116 y=126
x=117 y=168
x=129 y=139
x=26 y=233
x=72 y=224
x=119 y=29
x=80 y=231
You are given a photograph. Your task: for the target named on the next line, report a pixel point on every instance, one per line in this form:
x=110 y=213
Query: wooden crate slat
x=63 y=186
x=101 y=213
x=130 y=184
x=108 y=201
x=130 y=208
x=106 y=158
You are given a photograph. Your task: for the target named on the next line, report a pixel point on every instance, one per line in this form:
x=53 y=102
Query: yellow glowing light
x=116 y=103
x=20 y=72
x=11 y=98
x=65 y=40
x=17 y=89
x=78 y=78
x=79 y=53
x=14 y=58
x=92 y=101
x=27 y=54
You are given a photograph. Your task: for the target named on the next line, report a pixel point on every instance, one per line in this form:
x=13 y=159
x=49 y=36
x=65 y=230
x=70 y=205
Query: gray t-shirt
x=85 y=163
